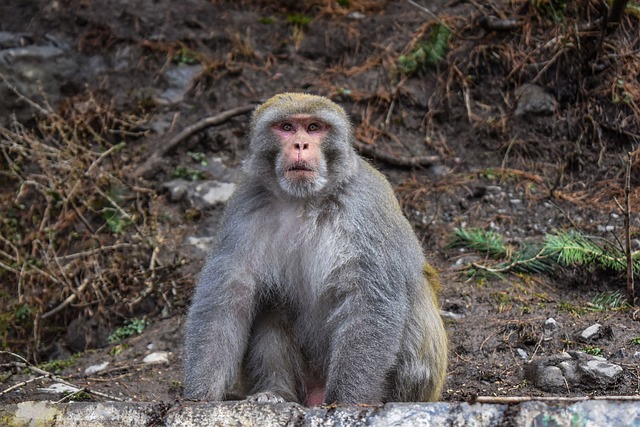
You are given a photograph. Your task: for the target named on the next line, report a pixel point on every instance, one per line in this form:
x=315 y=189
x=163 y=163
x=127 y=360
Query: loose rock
x=592 y=332
x=533 y=99
x=96 y=368
x=177 y=188
x=157 y=357
x=210 y=193
x=574 y=369
x=35 y=70
x=550 y=327
x=179 y=80
x=522 y=353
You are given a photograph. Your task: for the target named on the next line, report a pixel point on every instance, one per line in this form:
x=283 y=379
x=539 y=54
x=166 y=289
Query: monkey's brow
x=302 y=117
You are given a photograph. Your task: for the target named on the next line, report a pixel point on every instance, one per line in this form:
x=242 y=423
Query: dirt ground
x=521 y=175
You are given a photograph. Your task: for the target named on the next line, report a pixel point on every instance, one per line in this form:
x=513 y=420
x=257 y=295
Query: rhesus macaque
x=317 y=290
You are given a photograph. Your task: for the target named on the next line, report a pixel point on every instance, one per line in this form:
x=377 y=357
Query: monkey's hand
x=266 y=397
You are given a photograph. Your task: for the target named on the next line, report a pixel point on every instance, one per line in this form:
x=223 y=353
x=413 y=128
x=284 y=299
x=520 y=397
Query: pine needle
x=564 y=248
x=484 y=241
x=573 y=248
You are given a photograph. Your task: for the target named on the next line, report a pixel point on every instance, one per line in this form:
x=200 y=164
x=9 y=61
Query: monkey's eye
x=313 y=127
x=287 y=127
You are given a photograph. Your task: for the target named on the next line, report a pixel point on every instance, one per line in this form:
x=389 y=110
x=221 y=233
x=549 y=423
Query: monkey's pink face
x=301 y=138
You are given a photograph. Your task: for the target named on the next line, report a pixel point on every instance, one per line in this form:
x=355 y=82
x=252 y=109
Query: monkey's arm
x=375 y=306
x=365 y=344
x=218 y=327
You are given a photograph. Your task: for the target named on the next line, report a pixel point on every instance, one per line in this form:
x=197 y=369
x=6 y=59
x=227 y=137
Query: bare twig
x=540 y=255
x=21 y=384
x=471 y=116
x=69 y=299
x=547 y=65
x=46 y=374
x=399 y=161
x=520 y=399
x=492 y=23
x=164 y=147
x=627 y=232
x=422 y=9
x=34 y=105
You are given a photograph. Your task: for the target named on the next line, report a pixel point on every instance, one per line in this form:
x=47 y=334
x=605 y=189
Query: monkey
x=317 y=290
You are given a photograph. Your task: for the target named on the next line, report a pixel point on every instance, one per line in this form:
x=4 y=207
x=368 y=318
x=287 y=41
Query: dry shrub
x=77 y=236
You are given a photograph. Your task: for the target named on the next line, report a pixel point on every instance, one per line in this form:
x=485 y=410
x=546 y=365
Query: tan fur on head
x=290 y=103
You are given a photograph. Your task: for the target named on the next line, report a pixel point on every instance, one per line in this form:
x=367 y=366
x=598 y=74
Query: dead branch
x=399 y=161
x=492 y=23
x=21 y=384
x=165 y=146
x=520 y=399
x=69 y=299
x=42 y=110
x=53 y=377
x=617 y=8
x=627 y=232
x=423 y=9
x=96 y=251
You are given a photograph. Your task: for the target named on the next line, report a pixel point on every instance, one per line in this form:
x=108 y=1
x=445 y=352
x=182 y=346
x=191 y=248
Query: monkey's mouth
x=300 y=171
x=300 y=167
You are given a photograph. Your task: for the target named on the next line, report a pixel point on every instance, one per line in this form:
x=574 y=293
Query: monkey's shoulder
x=372 y=180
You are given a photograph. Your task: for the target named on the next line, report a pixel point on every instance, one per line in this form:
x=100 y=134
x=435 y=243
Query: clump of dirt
x=440 y=105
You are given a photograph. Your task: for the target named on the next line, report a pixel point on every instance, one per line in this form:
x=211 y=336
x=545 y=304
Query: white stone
x=201 y=243
x=157 y=357
x=522 y=353
x=603 y=372
x=96 y=368
x=550 y=326
x=213 y=193
x=591 y=331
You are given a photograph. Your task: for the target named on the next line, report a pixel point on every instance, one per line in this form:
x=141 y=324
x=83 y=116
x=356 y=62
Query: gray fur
x=317 y=287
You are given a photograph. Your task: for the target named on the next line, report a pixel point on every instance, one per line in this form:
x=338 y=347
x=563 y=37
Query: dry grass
x=76 y=235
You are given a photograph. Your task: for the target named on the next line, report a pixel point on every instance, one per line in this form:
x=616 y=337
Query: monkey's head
x=301 y=143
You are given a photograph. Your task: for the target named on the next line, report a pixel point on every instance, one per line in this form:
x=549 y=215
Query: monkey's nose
x=301 y=145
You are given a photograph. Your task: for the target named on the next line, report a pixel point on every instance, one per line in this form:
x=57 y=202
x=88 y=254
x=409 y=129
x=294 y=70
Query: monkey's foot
x=266 y=397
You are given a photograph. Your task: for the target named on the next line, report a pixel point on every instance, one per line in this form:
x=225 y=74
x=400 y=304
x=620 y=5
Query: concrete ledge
x=535 y=413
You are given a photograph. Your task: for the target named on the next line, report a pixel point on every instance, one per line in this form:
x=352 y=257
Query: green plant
x=185 y=57
x=56 y=366
x=608 y=301
x=526 y=258
x=298 y=20
x=564 y=248
x=571 y=309
x=187 y=173
x=632 y=8
x=572 y=248
x=115 y=220
x=635 y=341
x=592 y=350
x=198 y=157
x=344 y=3
x=428 y=53
x=131 y=327
x=78 y=396
x=23 y=312
x=117 y=349
x=266 y=20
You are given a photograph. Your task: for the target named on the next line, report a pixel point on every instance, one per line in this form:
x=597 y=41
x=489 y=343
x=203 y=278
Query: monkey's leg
x=274 y=362
x=422 y=365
